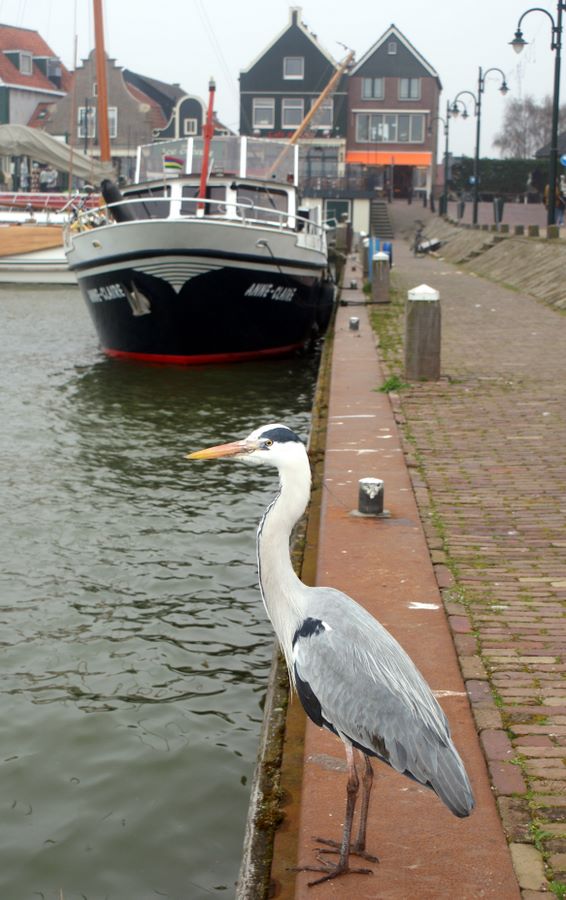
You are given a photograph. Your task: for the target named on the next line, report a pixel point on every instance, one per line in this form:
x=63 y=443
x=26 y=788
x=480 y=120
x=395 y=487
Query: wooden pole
x=422 y=334
x=380 y=278
x=101 y=83
x=314 y=109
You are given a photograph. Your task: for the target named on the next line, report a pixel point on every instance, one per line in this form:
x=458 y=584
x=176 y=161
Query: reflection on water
x=135 y=649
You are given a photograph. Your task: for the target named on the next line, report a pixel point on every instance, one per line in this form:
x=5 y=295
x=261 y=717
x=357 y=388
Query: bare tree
x=527 y=127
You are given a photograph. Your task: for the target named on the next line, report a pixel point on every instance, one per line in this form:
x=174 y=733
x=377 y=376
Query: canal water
x=134 y=648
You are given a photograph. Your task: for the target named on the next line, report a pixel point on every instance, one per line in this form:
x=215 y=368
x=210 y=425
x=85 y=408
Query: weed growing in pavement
x=393 y=383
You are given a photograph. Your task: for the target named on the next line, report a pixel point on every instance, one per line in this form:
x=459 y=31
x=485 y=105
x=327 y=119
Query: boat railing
x=158 y=207
x=37 y=201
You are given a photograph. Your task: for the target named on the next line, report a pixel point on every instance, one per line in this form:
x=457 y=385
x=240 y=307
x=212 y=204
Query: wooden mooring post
x=380 y=277
x=422 y=334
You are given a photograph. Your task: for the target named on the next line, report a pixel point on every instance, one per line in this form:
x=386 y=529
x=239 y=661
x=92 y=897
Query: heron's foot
x=355 y=849
x=331 y=871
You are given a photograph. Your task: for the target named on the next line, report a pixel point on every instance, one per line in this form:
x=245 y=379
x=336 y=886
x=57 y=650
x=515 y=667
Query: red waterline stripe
x=201 y=359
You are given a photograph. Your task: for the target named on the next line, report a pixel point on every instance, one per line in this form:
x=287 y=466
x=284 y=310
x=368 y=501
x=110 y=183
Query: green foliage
x=498 y=177
x=393 y=383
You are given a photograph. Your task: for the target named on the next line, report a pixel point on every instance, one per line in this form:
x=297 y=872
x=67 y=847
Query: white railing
x=232 y=212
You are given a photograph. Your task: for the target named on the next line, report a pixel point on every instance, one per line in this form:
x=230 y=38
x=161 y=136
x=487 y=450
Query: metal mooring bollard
x=370 y=496
x=354 y=323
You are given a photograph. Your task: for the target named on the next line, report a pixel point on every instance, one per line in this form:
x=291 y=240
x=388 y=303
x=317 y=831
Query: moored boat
x=191 y=269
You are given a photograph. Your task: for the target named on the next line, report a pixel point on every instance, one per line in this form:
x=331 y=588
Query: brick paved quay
x=385 y=563
x=486 y=446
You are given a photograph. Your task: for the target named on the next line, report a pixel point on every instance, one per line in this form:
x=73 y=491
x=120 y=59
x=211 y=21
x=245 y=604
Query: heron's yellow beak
x=237 y=448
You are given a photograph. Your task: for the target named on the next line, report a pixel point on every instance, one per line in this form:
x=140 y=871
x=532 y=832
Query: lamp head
x=504 y=89
x=518 y=42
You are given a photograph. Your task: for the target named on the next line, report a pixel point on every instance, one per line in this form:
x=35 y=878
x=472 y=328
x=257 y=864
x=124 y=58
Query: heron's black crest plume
x=281 y=435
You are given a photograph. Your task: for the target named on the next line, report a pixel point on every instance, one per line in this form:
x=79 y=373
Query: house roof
x=166 y=95
x=394 y=32
x=294 y=19
x=13 y=39
x=156 y=116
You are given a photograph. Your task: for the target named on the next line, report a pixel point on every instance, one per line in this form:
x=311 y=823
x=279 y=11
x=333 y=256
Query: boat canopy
x=21 y=140
x=243 y=157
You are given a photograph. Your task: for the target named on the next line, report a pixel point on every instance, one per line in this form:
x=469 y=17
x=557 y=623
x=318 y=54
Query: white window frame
x=292 y=77
x=327 y=107
x=373 y=95
x=267 y=103
x=26 y=63
x=95 y=88
x=375 y=127
x=112 y=121
x=392 y=48
x=410 y=83
x=91 y=124
x=294 y=103
x=190 y=127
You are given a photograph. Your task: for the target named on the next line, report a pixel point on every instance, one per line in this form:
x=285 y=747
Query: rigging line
x=216 y=45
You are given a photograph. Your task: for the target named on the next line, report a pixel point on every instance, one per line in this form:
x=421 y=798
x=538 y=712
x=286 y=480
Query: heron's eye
x=268 y=442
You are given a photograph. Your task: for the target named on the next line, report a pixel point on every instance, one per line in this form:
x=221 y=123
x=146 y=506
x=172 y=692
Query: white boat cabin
x=249 y=180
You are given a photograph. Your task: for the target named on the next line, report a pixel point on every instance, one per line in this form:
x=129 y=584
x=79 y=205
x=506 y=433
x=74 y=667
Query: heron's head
x=273 y=444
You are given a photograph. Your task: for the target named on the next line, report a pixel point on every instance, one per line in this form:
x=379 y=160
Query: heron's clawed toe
x=354 y=849
x=330 y=871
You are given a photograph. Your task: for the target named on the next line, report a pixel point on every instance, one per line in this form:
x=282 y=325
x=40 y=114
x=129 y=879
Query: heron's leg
x=342 y=866
x=359 y=846
x=367 y=781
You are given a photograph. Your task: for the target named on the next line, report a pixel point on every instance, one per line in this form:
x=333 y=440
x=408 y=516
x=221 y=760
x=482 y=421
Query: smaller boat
x=31 y=236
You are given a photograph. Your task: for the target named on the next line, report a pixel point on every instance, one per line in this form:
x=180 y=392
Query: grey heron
x=351 y=675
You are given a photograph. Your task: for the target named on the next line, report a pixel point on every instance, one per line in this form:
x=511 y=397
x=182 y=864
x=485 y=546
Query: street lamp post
x=518 y=43
x=503 y=88
x=445 y=121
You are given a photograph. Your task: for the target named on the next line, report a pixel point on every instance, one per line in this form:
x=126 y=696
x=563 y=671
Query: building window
x=294 y=67
x=324 y=116
x=372 y=88
x=292 y=112
x=190 y=127
x=392 y=48
x=26 y=63
x=86 y=121
x=263 y=112
x=112 y=121
x=95 y=88
x=409 y=89
x=389 y=128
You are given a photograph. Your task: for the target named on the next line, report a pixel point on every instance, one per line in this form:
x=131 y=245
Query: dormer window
x=26 y=63
x=294 y=67
x=392 y=48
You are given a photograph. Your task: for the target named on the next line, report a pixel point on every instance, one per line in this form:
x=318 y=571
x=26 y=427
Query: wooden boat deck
x=25 y=238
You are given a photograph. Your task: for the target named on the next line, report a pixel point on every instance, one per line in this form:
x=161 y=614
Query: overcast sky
x=187 y=41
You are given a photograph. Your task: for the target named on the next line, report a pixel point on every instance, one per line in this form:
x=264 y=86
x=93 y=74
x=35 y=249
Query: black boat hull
x=221 y=314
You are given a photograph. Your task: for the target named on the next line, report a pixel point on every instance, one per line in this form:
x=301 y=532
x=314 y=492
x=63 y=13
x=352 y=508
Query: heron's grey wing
x=354 y=678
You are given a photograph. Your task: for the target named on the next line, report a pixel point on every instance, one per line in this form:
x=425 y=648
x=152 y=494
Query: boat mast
x=208 y=133
x=101 y=84
x=314 y=108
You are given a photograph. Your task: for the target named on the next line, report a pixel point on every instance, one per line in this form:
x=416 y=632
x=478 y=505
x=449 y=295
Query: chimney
x=295 y=16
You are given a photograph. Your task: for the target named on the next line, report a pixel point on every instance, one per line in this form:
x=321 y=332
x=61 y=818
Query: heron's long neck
x=281 y=589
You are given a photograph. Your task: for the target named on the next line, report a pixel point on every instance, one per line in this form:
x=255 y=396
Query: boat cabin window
x=152 y=208
x=264 y=200
x=216 y=194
